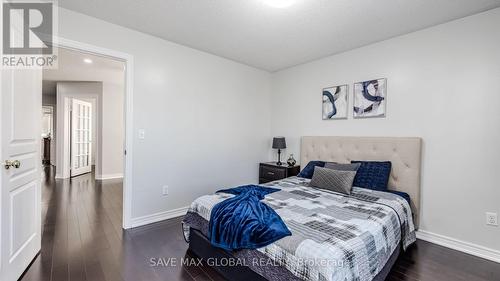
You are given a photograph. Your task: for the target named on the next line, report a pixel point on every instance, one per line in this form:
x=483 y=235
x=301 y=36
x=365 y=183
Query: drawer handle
x=270 y=173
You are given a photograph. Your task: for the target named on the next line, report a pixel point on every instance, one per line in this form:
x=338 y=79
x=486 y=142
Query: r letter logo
x=28 y=34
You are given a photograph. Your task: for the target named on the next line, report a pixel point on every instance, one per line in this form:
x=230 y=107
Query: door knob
x=14 y=163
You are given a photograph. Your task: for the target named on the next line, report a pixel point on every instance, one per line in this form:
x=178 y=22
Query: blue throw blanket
x=243 y=222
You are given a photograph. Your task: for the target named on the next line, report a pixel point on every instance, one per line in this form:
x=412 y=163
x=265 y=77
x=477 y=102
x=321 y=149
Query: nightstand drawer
x=272 y=173
x=269 y=171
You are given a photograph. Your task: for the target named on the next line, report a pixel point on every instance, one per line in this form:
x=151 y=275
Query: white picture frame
x=335 y=102
x=370 y=98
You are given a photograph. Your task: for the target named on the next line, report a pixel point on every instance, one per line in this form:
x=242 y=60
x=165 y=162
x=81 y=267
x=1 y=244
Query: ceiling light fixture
x=279 y=3
x=87 y=60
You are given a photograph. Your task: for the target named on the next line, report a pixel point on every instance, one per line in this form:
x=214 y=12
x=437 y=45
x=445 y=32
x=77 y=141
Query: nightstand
x=269 y=171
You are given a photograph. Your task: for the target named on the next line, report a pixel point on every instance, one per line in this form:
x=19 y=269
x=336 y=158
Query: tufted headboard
x=404 y=153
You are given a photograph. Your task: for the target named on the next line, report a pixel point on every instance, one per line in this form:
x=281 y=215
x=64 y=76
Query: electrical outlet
x=165 y=190
x=492 y=219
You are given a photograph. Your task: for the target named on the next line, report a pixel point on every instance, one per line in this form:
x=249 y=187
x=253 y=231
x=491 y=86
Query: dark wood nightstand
x=269 y=171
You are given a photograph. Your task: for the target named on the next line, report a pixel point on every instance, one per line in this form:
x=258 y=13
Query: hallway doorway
x=22 y=90
x=81 y=137
x=88 y=93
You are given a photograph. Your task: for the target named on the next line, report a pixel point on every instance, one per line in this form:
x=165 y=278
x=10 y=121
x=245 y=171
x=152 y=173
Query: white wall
x=206 y=118
x=113 y=126
x=442 y=86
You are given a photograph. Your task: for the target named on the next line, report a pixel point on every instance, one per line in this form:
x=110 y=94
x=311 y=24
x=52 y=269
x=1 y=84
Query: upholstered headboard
x=404 y=153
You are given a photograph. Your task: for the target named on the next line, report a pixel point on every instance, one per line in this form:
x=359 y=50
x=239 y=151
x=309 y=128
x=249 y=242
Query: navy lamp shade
x=279 y=144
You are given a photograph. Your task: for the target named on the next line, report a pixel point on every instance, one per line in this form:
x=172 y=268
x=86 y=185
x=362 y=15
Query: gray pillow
x=343 y=167
x=334 y=180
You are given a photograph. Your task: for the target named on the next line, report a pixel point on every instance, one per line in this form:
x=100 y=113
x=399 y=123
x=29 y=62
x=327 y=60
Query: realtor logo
x=28 y=34
x=36 y=20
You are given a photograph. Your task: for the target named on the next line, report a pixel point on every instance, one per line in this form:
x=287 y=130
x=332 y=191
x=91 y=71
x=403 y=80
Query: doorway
x=47 y=133
x=128 y=61
x=88 y=94
x=21 y=150
x=80 y=137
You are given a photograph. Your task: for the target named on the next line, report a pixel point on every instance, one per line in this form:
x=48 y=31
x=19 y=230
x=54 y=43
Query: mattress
x=334 y=236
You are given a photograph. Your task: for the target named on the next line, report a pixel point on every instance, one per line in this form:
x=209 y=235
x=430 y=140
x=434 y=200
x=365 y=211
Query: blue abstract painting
x=370 y=98
x=335 y=102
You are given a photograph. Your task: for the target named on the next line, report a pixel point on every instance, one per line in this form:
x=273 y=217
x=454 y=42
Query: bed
x=334 y=236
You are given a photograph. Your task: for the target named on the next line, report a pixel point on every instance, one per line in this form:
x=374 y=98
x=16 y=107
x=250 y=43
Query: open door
x=20 y=219
x=81 y=137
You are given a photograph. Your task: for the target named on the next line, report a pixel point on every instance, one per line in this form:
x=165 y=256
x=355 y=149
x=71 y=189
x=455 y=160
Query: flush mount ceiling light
x=279 y=3
x=87 y=61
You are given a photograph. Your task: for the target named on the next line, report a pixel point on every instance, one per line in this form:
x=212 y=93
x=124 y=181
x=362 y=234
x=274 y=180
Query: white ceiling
x=67 y=58
x=71 y=67
x=270 y=38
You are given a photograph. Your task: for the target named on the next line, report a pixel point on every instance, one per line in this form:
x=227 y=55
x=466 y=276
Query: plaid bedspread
x=334 y=236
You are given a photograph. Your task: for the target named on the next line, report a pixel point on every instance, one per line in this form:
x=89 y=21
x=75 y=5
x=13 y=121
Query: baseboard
x=109 y=176
x=140 y=221
x=462 y=246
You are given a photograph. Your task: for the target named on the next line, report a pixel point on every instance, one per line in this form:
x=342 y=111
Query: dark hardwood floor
x=83 y=240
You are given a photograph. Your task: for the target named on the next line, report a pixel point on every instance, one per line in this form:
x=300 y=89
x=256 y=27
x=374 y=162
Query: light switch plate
x=142 y=134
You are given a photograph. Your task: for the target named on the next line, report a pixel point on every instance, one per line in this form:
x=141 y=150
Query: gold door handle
x=14 y=163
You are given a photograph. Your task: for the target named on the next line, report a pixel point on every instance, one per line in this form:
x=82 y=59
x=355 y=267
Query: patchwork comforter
x=334 y=236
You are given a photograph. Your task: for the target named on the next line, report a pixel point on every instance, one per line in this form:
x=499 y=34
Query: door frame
x=69 y=123
x=128 y=112
x=64 y=130
x=83 y=122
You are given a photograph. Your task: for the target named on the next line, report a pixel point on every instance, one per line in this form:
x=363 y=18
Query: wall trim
x=109 y=176
x=160 y=216
x=459 y=245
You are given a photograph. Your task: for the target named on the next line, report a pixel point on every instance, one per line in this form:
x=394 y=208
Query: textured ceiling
x=256 y=34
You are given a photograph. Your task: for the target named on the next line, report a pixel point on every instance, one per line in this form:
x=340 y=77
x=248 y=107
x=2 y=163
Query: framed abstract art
x=370 y=98
x=335 y=100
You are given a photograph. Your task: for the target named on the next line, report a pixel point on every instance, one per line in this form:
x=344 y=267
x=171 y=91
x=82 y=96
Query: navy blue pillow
x=308 y=171
x=405 y=195
x=373 y=175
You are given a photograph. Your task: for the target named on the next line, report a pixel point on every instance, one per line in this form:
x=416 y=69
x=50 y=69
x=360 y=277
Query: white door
x=81 y=137
x=20 y=234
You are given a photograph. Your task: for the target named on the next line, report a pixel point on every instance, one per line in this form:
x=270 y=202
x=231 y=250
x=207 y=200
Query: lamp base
x=279 y=163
